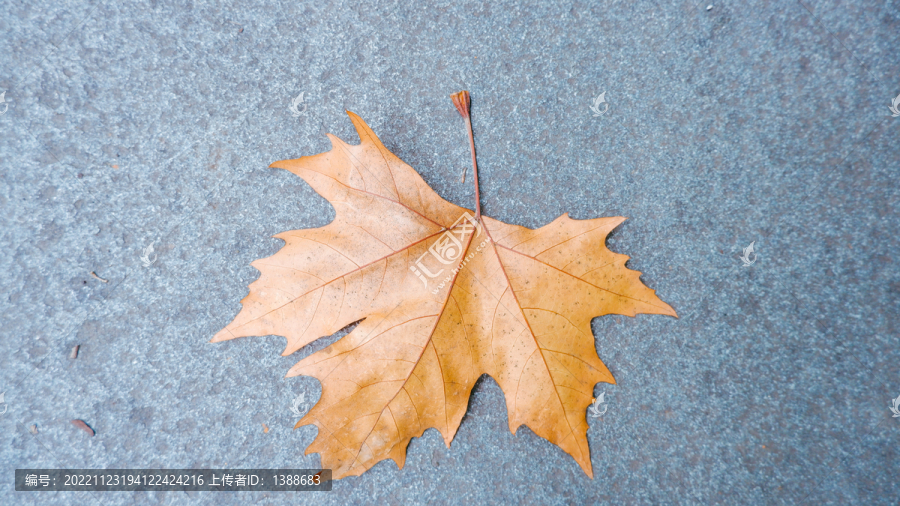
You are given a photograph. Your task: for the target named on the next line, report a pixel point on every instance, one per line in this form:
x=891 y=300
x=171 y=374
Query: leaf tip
x=667 y=310
x=447 y=441
x=589 y=471
x=398 y=454
x=223 y=335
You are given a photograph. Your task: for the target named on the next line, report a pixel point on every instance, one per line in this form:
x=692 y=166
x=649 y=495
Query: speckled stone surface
x=128 y=124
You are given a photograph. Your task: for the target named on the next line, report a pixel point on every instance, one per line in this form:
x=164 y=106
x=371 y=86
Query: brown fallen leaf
x=444 y=297
x=83 y=426
x=265 y=428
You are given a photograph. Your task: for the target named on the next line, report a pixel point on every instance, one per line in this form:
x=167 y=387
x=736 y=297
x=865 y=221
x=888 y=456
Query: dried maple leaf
x=444 y=297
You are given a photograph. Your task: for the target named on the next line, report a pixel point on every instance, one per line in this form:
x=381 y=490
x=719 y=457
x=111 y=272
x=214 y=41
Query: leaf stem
x=462 y=101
